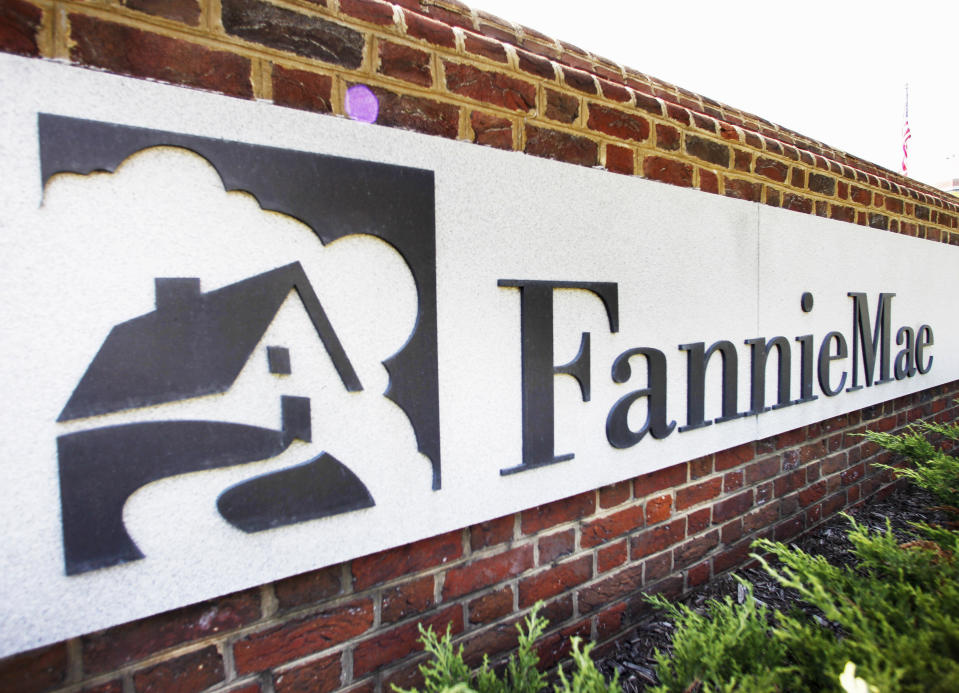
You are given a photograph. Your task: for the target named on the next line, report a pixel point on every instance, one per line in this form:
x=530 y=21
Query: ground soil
x=633 y=657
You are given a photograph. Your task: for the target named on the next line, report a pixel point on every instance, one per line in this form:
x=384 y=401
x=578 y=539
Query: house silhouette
x=194 y=344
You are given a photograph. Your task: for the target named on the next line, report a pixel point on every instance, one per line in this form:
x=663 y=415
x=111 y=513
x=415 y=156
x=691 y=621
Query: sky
x=832 y=70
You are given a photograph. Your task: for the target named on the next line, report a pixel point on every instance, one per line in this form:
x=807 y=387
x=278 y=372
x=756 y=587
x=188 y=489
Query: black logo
x=196 y=343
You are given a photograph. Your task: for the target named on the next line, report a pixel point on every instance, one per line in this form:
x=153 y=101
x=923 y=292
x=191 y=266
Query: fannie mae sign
x=242 y=342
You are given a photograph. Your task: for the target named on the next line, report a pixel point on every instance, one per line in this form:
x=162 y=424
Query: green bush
x=727 y=650
x=447 y=672
x=894 y=614
x=932 y=468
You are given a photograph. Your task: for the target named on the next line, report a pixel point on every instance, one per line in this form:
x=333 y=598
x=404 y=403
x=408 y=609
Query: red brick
x=603 y=529
x=613 y=91
x=707 y=150
x=407 y=676
x=764 y=493
x=734 y=457
x=191 y=672
x=772 y=169
x=700 y=467
x=659 y=480
x=732 y=531
x=554 y=580
x=403 y=62
x=619 y=159
x=697 y=521
x=429 y=30
x=708 y=181
x=458 y=15
x=833 y=504
x=790 y=482
x=659 y=509
x=608 y=590
x=790 y=438
x=309 y=587
x=483 y=572
x=488 y=48
x=563 y=108
x=763 y=469
x=833 y=464
x=116 y=686
x=732 y=507
x=733 y=557
x=763 y=517
x=19 y=24
x=492 y=606
x=825 y=185
x=555 y=546
x=618 y=123
x=579 y=80
x=416 y=113
x=694 y=549
x=742 y=189
x=853 y=474
x=112 y=648
x=668 y=171
x=392 y=563
x=657 y=539
x=396 y=643
x=611 y=556
x=732 y=481
x=555 y=647
x=404 y=600
x=129 y=51
x=613 y=495
x=34 y=671
x=298 y=638
x=860 y=195
x=649 y=104
x=186 y=11
x=813 y=451
x=561 y=146
x=853 y=493
x=318 y=675
x=307 y=91
x=491 y=87
x=305 y=35
x=742 y=160
x=658 y=567
x=491 y=533
x=811 y=495
x=698 y=493
x=697 y=575
x=544 y=516
x=790 y=528
x=667 y=137
x=790 y=460
x=610 y=621
x=797 y=203
x=535 y=65
x=372 y=11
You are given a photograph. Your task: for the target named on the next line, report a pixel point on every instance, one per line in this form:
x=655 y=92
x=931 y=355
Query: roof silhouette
x=195 y=343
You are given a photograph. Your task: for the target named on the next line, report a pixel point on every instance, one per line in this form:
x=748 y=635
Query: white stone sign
x=242 y=342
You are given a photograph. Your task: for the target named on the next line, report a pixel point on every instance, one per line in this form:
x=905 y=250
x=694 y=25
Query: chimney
x=176 y=291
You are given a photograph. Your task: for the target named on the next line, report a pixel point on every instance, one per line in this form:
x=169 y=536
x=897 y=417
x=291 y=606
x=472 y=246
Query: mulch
x=633 y=657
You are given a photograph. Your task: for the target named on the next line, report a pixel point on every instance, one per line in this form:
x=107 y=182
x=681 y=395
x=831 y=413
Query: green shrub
x=896 y=610
x=932 y=468
x=447 y=672
x=894 y=613
x=728 y=649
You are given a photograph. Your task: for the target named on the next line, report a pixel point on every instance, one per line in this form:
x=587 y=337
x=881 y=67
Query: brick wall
x=443 y=69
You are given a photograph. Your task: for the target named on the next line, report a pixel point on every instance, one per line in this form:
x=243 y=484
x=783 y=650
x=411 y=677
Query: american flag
x=906 y=135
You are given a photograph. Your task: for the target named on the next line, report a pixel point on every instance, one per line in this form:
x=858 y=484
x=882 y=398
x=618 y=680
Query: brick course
x=443 y=69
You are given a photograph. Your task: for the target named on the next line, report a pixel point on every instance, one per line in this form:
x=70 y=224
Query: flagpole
x=906 y=136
